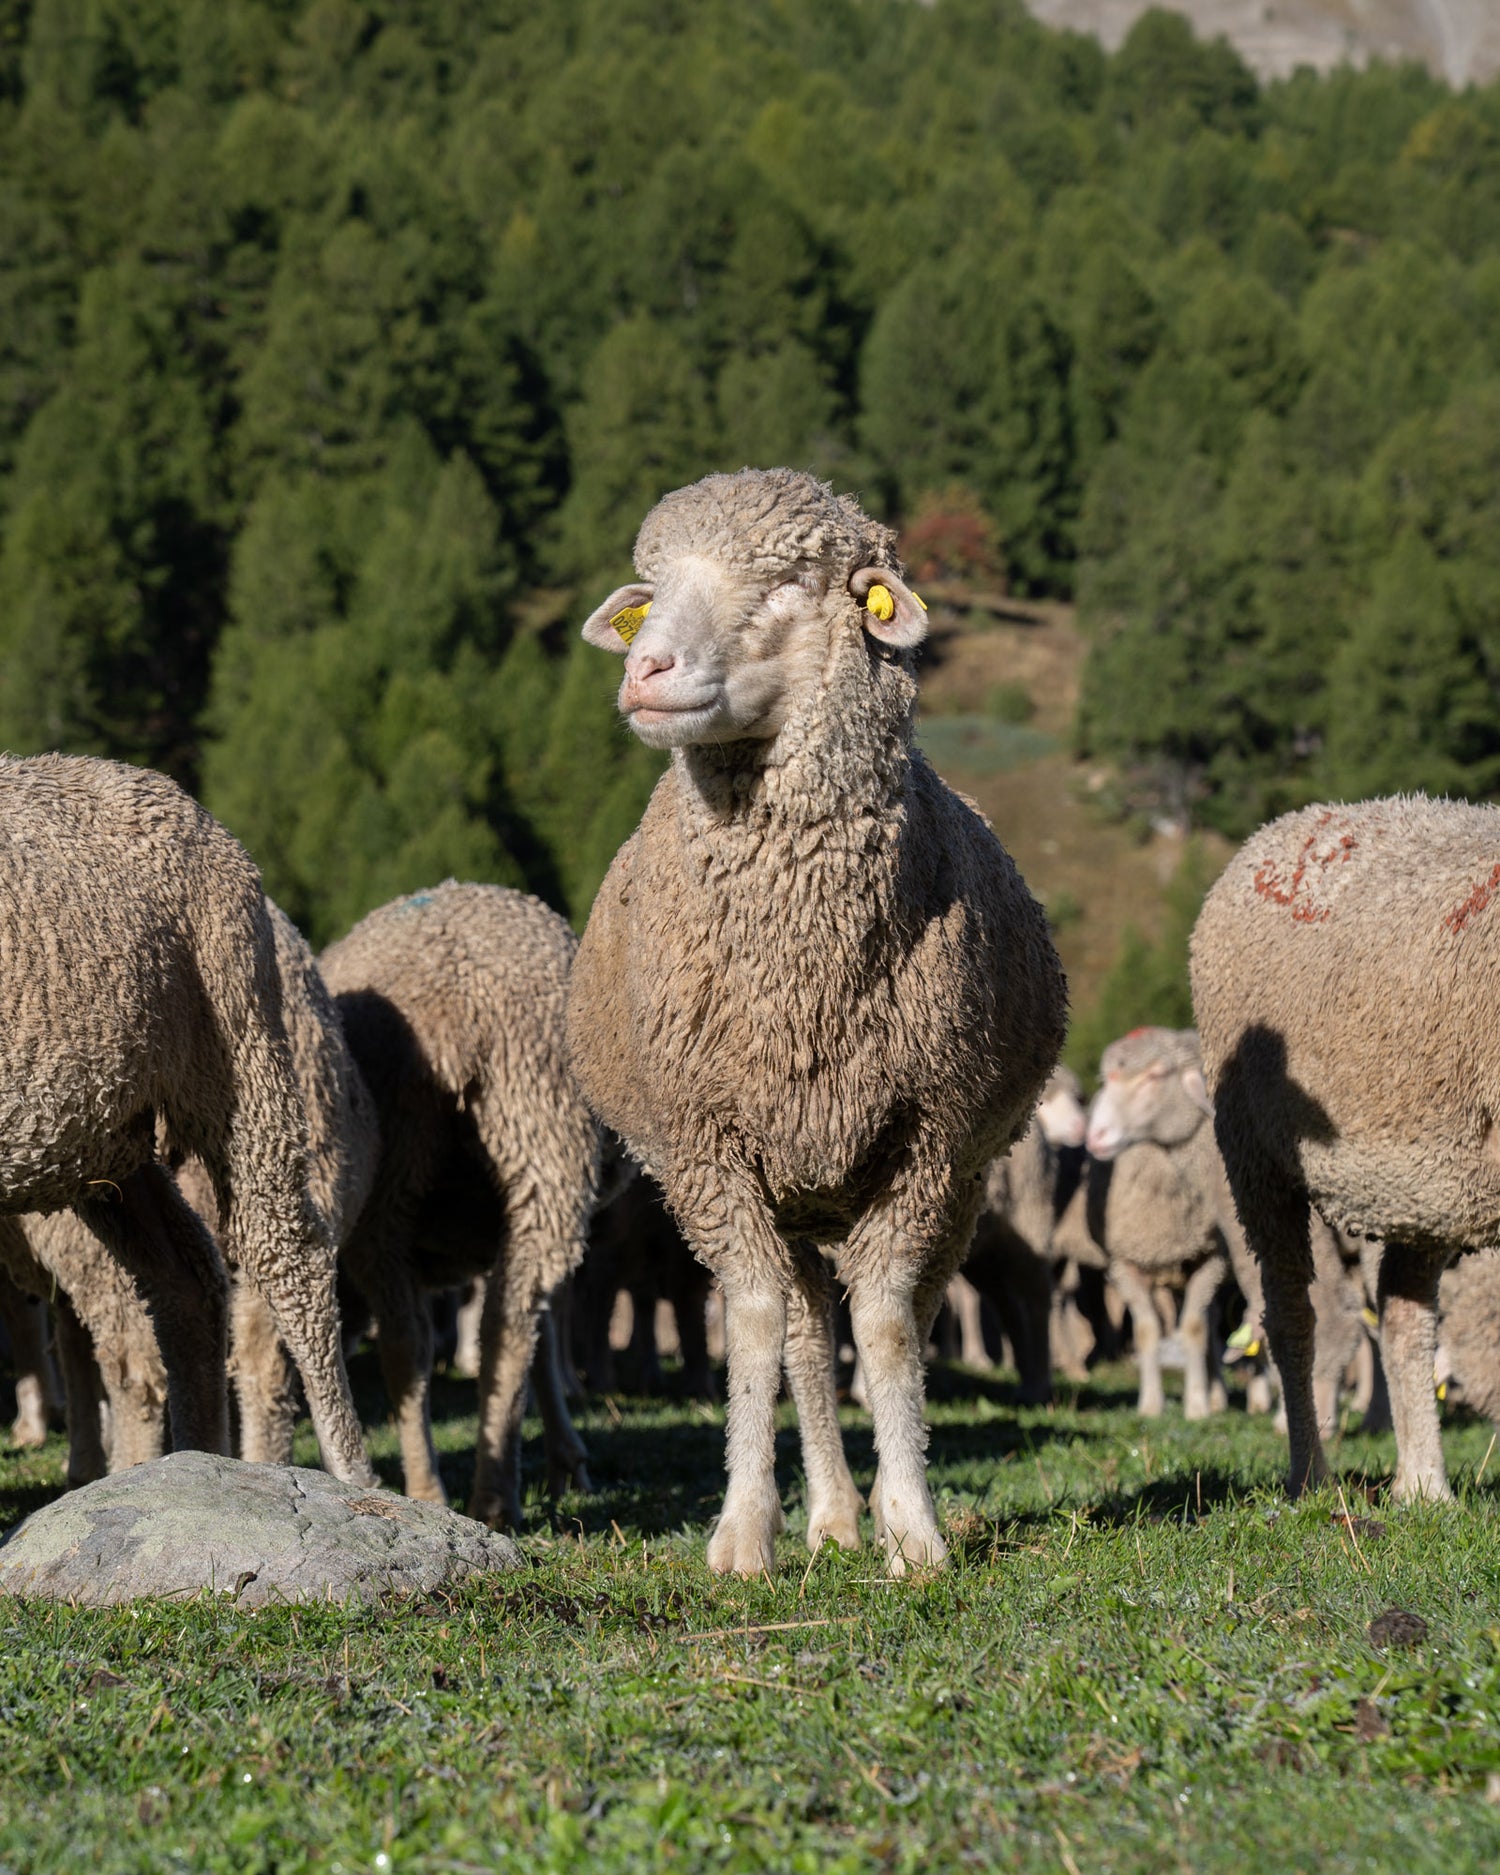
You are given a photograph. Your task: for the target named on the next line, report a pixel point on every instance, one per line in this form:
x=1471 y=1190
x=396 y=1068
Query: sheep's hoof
x=913 y=1549
x=496 y=1513
x=910 y=1541
x=570 y=1474
x=427 y=1490
x=744 y=1540
x=1423 y=1487
x=836 y=1522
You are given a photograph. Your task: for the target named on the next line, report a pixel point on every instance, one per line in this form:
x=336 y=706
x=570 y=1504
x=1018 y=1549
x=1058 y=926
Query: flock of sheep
x=818 y=1006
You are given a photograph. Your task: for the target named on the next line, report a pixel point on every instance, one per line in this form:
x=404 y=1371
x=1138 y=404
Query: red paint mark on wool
x=1477 y=901
x=1296 y=893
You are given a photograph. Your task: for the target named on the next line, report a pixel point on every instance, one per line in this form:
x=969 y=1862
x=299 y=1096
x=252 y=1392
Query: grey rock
x=195 y=1523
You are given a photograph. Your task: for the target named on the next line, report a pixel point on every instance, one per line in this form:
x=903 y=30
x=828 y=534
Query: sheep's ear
x=893 y=612
x=615 y=623
x=1196 y=1089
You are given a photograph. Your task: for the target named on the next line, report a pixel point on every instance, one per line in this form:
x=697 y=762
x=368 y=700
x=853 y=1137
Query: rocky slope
x=1458 y=39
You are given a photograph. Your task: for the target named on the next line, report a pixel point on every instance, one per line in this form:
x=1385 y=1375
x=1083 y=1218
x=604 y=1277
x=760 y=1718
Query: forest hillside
x=344 y=344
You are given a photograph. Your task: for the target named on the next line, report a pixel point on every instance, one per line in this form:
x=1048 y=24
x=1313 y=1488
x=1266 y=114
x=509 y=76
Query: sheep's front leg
x=1407 y=1302
x=719 y=1209
x=833 y=1502
x=755 y=1326
x=1193 y=1330
x=1145 y=1324
x=894 y=1297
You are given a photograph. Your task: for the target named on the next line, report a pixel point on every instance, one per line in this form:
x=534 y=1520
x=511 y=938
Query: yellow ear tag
x=630 y=620
x=920 y=600
x=879 y=601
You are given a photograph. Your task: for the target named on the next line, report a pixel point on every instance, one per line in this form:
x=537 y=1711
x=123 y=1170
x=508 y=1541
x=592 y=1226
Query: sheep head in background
x=722 y=646
x=1153 y=1090
x=1060 y=1111
x=814 y=995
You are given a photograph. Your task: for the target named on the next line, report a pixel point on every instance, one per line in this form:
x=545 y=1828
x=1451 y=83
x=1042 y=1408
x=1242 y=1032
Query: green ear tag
x=630 y=619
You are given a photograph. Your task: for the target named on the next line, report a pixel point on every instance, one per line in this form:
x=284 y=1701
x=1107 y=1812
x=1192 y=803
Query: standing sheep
x=814 y=994
x=1166 y=1211
x=452 y=1002
x=1174 y=1210
x=1344 y=970
x=139 y=989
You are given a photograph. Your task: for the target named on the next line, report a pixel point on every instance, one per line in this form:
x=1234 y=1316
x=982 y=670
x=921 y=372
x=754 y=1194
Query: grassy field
x=1141 y=1658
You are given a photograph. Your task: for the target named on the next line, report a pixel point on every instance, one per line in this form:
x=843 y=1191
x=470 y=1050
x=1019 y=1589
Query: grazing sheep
x=452 y=1001
x=814 y=994
x=140 y=990
x=343 y=1139
x=1343 y=977
x=1010 y=1258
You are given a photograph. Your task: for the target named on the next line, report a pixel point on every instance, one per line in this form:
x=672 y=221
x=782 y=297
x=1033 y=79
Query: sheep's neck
x=822 y=809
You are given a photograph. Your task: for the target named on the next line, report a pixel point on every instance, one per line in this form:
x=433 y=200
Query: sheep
x=1010 y=1258
x=140 y=985
x=1173 y=1207
x=635 y=1246
x=39 y=1402
x=107 y=1342
x=117 y=1327
x=343 y=1136
x=1162 y=1210
x=1343 y=969
x=813 y=994
x=452 y=1002
x=1468 y=1353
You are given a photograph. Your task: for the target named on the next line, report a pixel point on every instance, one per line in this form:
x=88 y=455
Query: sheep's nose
x=643 y=664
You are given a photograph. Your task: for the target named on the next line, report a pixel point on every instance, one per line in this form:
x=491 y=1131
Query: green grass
x=1140 y=1658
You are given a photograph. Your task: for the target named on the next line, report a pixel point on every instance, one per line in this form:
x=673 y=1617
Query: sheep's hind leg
x=567 y=1455
x=164 y=1246
x=1407 y=1302
x=87 y=1458
x=1276 y=1221
x=264 y=1385
x=833 y=1501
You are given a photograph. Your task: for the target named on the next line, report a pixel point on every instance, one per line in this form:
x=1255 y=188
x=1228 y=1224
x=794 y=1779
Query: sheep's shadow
x=659 y=1478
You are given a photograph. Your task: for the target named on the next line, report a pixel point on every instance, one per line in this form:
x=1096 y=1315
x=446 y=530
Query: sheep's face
x=1153 y=1090
x=746 y=582
x=1060 y=1113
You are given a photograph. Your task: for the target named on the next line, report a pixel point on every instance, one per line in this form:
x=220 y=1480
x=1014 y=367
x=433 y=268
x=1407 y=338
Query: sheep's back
x=1345 y=986
x=129 y=957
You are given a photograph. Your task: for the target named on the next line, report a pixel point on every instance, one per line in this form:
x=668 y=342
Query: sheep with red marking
x=1345 y=971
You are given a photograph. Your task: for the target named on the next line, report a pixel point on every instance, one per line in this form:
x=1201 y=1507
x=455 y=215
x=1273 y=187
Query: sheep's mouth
x=665 y=725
